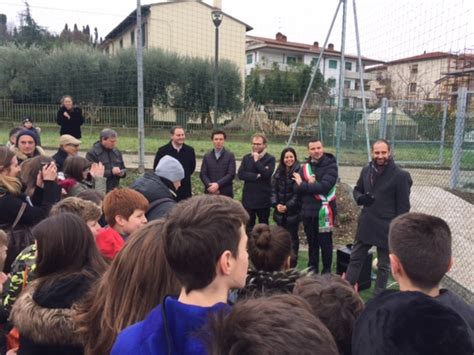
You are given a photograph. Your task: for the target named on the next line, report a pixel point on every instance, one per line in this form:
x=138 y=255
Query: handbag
x=19 y=237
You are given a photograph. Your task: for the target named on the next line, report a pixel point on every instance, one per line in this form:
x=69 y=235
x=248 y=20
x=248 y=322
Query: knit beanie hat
x=170 y=168
x=26 y=132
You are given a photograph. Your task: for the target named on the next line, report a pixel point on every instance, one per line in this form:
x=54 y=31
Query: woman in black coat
x=285 y=199
x=70 y=118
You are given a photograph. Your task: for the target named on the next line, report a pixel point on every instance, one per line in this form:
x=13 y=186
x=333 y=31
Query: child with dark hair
x=335 y=303
x=280 y=324
x=28 y=124
x=206 y=247
x=12 y=137
x=80 y=175
x=124 y=211
x=68 y=263
x=270 y=252
x=419 y=319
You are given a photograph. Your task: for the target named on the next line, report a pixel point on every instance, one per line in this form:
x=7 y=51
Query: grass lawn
x=239 y=144
x=365 y=294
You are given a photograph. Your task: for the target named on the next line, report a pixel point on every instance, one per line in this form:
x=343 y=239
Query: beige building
x=422 y=77
x=183 y=27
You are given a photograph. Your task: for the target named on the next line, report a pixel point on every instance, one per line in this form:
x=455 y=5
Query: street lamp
x=216 y=16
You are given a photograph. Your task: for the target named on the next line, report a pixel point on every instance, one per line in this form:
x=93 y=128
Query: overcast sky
x=389 y=29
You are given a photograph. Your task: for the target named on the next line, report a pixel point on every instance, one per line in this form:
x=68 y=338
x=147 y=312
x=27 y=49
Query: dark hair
x=314 y=140
x=92 y=195
x=269 y=247
x=70 y=250
x=29 y=171
x=334 y=302
x=74 y=166
x=123 y=202
x=281 y=165
x=197 y=231
x=174 y=128
x=281 y=324
x=422 y=243
x=107 y=133
x=382 y=141
x=14 y=131
x=218 y=131
x=136 y=282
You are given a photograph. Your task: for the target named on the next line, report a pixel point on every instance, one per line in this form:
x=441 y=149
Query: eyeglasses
x=257 y=143
x=73 y=145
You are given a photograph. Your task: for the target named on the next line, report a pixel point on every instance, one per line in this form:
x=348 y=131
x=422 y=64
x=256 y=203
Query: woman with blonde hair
x=70 y=118
x=17 y=209
x=137 y=281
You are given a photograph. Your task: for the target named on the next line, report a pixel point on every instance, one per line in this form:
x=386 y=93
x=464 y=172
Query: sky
x=389 y=29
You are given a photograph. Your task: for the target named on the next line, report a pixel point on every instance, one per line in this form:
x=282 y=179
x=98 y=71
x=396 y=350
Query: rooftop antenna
x=341 y=79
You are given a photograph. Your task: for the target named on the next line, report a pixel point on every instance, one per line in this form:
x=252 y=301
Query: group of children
x=168 y=287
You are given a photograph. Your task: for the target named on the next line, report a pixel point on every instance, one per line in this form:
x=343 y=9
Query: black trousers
x=263 y=215
x=295 y=241
x=316 y=241
x=358 y=255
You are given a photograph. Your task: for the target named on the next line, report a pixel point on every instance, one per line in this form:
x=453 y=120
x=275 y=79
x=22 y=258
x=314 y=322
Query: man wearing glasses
x=256 y=172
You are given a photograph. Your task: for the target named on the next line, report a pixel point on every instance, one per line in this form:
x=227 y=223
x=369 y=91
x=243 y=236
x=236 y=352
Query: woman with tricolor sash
x=316 y=185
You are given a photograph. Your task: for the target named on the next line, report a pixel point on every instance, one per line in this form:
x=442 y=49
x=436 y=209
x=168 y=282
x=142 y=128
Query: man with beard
x=256 y=172
x=316 y=184
x=383 y=189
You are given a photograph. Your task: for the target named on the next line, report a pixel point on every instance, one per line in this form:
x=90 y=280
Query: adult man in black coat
x=218 y=167
x=182 y=152
x=106 y=152
x=256 y=172
x=383 y=189
x=316 y=184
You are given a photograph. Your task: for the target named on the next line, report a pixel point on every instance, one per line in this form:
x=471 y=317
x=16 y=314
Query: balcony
x=355 y=75
x=357 y=94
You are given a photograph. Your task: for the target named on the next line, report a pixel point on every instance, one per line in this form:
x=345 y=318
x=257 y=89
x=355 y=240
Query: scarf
x=326 y=214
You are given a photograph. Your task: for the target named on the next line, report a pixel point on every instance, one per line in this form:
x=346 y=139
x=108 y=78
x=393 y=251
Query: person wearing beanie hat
x=27 y=146
x=160 y=187
x=27 y=123
x=68 y=146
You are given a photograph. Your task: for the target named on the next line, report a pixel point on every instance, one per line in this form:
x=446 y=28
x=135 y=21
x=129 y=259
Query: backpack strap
x=18 y=216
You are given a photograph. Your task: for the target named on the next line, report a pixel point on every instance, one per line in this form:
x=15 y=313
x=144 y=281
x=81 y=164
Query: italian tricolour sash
x=326 y=215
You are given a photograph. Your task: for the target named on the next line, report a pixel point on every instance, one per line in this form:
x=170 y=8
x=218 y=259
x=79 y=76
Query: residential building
x=429 y=76
x=184 y=27
x=264 y=53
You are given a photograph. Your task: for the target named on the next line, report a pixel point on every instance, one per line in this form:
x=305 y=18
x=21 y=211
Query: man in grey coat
x=383 y=189
x=218 y=167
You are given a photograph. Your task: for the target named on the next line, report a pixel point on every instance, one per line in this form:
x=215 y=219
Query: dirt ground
x=465 y=195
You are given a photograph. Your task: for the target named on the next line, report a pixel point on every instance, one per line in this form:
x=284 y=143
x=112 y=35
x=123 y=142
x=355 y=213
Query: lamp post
x=217 y=19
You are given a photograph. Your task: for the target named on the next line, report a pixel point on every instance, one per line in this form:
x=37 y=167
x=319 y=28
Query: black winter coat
x=59 y=158
x=221 y=171
x=257 y=190
x=71 y=125
x=326 y=177
x=156 y=188
x=391 y=191
x=111 y=158
x=187 y=158
x=284 y=192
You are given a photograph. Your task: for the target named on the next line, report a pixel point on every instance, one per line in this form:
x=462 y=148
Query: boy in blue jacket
x=206 y=246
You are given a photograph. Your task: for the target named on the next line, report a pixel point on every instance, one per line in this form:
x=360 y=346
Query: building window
x=414 y=68
x=347 y=84
x=143 y=34
x=345 y=102
x=314 y=61
x=332 y=83
x=412 y=87
x=107 y=50
x=331 y=101
x=333 y=64
x=348 y=66
x=290 y=60
x=249 y=58
x=121 y=43
x=132 y=37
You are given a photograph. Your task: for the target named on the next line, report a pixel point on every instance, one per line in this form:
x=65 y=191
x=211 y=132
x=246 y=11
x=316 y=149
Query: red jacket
x=109 y=242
